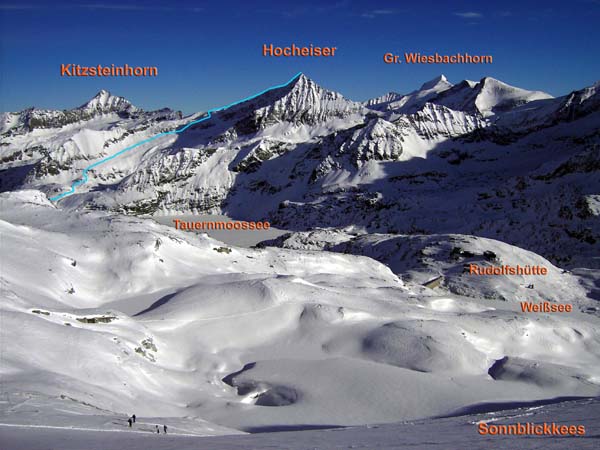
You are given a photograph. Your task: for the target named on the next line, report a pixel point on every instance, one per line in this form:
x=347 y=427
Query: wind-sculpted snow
x=121 y=315
x=423 y=346
x=421 y=258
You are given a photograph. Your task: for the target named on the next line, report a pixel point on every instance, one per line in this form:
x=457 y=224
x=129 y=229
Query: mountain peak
x=303 y=83
x=496 y=96
x=409 y=103
x=303 y=78
x=105 y=102
x=300 y=101
x=440 y=80
x=491 y=81
x=308 y=96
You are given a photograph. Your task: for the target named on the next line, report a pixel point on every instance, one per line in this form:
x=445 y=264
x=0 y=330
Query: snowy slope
x=487 y=97
x=255 y=338
x=548 y=112
x=422 y=258
x=410 y=103
x=456 y=432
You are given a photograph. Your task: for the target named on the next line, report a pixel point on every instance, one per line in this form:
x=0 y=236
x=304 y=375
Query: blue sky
x=209 y=53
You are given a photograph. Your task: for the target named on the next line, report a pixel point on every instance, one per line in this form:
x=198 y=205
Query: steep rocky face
x=307 y=103
x=460 y=97
x=579 y=103
x=547 y=112
x=32 y=118
x=104 y=102
x=377 y=140
x=434 y=121
x=381 y=103
x=265 y=150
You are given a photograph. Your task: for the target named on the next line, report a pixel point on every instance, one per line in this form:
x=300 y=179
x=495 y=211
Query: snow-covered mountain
x=488 y=97
x=412 y=102
x=363 y=313
x=103 y=102
x=481 y=157
x=28 y=120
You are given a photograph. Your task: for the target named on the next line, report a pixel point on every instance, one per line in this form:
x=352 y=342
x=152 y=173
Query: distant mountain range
x=482 y=158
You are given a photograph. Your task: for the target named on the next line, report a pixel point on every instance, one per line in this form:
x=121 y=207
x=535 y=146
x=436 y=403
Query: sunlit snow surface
x=455 y=433
x=105 y=316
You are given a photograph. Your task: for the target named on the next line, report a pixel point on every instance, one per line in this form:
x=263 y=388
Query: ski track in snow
x=84 y=177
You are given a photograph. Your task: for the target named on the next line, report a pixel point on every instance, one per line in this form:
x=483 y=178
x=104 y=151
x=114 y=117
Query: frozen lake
x=238 y=238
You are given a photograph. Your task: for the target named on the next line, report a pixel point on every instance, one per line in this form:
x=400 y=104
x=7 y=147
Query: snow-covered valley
x=259 y=338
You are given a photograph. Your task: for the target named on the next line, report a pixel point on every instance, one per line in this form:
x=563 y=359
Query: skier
x=157 y=430
x=133 y=417
x=165 y=429
x=129 y=422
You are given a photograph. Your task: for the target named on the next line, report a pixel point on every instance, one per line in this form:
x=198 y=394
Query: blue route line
x=84 y=177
